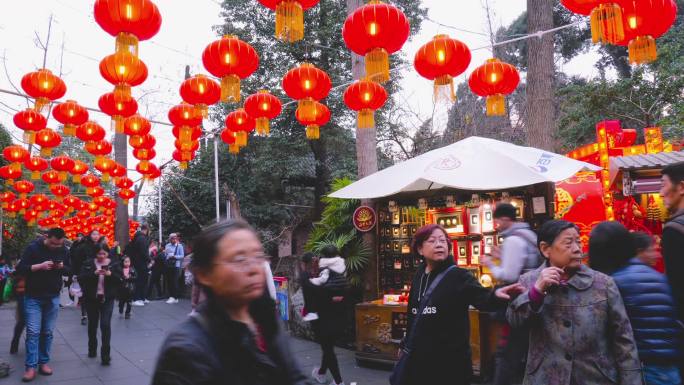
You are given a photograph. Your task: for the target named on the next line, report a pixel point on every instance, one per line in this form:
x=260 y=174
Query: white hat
x=173 y=235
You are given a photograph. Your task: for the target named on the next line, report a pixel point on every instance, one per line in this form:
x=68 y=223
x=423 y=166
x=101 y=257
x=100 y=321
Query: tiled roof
x=647 y=161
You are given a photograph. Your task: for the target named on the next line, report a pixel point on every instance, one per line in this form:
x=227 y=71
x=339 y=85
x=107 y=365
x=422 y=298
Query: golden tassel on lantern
x=606 y=24
x=127 y=42
x=123 y=89
x=183 y=165
x=263 y=126
x=496 y=105
x=366 y=118
x=202 y=109
x=377 y=65
x=642 y=50
x=230 y=89
x=241 y=139
x=46 y=152
x=105 y=177
x=313 y=132
x=40 y=104
x=76 y=178
x=234 y=148
x=35 y=175
x=30 y=137
x=289 y=21
x=69 y=130
x=63 y=176
x=118 y=124
x=444 y=85
x=185 y=134
x=307 y=109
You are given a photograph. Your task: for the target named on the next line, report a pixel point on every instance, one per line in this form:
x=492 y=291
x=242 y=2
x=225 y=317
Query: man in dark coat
x=139 y=251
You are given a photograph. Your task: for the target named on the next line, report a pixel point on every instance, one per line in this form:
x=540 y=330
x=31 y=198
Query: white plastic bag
x=75 y=289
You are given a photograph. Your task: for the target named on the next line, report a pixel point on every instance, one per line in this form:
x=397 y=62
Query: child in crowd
x=128 y=275
x=332 y=276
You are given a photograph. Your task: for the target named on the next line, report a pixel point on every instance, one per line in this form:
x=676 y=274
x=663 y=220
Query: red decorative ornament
x=123 y=70
x=43 y=86
x=263 y=107
x=289 y=25
x=6 y=197
x=365 y=96
x=183 y=157
x=441 y=60
x=142 y=141
x=99 y=149
x=153 y=173
x=191 y=146
x=201 y=92
x=78 y=170
x=123 y=183
x=47 y=139
x=136 y=125
x=90 y=132
x=144 y=154
x=104 y=165
x=71 y=115
x=193 y=133
x=606 y=18
x=242 y=124
x=30 y=121
x=313 y=125
x=12 y=209
x=36 y=164
x=307 y=84
x=50 y=177
x=15 y=155
x=126 y=195
x=129 y=20
x=376 y=31
x=185 y=120
x=119 y=106
x=63 y=165
x=645 y=21
x=119 y=171
x=229 y=138
x=94 y=193
x=494 y=80
x=60 y=191
x=230 y=59
x=23 y=187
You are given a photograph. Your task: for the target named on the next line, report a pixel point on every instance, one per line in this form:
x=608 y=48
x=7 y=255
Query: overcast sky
x=186 y=30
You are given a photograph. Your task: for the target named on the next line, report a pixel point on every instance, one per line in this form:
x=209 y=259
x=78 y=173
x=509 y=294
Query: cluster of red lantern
x=187 y=129
x=289 y=23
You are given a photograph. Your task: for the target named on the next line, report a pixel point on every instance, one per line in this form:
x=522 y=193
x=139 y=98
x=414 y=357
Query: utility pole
x=121 y=220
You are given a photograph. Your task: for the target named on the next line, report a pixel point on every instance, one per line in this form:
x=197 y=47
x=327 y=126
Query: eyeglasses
x=244 y=262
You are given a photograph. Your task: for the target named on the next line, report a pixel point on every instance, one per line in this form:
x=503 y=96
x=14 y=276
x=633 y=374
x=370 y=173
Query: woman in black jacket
x=78 y=255
x=127 y=287
x=440 y=351
x=100 y=282
x=236 y=337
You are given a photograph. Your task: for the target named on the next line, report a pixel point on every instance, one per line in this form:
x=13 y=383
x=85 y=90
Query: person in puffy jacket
x=647 y=297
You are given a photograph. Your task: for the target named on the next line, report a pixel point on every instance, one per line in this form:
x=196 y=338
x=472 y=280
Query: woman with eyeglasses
x=436 y=348
x=236 y=336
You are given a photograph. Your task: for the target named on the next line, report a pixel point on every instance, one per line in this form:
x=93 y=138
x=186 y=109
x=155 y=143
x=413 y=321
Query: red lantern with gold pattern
x=126 y=195
x=90 y=132
x=441 y=60
x=78 y=170
x=183 y=157
x=201 y=92
x=104 y=165
x=50 y=177
x=9 y=175
x=123 y=70
x=119 y=106
x=15 y=155
x=645 y=21
x=376 y=30
x=307 y=84
x=123 y=182
x=365 y=96
x=242 y=124
x=129 y=20
x=289 y=25
x=60 y=191
x=153 y=173
x=43 y=86
x=6 y=197
x=71 y=115
x=99 y=149
x=313 y=126
x=30 y=121
x=136 y=125
x=263 y=107
x=23 y=187
x=142 y=141
x=230 y=59
x=144 y=154
x=36 y=164
x=494 y=80
x=47 y=139
x=63 y=165
x=229 y=138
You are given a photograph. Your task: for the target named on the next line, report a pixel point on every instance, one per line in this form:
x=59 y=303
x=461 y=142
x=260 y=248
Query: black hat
x=505 y=210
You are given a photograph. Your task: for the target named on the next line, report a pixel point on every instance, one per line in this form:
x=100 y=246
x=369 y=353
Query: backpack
x=336 y=281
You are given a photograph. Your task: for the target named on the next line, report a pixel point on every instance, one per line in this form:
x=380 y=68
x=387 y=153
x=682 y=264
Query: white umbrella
x=473 y=163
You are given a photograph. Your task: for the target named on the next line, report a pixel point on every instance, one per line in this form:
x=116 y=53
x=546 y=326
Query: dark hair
x=99 y=247
x=307 y=257
x=675 y=172
x=124 y=257
x=424 y=233
x=505 y=210
x=550 y=230
x=611 y=246
x=206 y=242
x=642 y=241
x=56 y=233
x=329 y=251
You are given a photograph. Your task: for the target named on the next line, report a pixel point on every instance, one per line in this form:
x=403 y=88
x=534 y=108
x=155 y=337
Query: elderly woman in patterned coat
x=579 y=329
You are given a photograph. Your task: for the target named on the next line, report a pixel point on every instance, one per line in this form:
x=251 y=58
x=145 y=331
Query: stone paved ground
x=135 y=345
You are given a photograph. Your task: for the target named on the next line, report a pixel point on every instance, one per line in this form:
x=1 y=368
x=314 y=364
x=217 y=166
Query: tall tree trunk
x=539 y=118
x=367 y=164
x=121 y=219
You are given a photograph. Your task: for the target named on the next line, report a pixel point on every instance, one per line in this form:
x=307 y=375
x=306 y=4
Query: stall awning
x=643 y=163
x=474 y=163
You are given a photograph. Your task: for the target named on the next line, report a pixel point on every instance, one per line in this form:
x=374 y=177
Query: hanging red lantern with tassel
x=119 y=106
x=229 y=137
x=43 y=86
x=313 y=124
x=645 y=21
x=263 y=107
x=201 y=92
x=23 y=187
x=50 y=177
x=9 y=175
x=47 y=139
x=365 y=97
x=63 y=165
x=376 y=30
x=126 y=195
x=242 y=124
x=98 y=149
x=289 y=23
x=137 y=125
x=183 y=157
x=30 y=121
x=123 y=70
x=36 y=164
x=90 y=132
x=129 y=20
x=71 y=115
x=307 y=84
x=78 y=170
x=493 y=80
x=441 y=60
x=15 y=155
x=606 y=18
x=230 y=59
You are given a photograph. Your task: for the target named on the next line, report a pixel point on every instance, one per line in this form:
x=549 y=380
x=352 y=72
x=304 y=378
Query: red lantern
x=119 y=171
x=320 y=118
x=63 y=165
x=50 y=177
x=493 y=80
x=90 y=132
x=99 y=149
x=12 y=209
x=187 y=133
x=307 y=84
x=263 y=107
x=128 y=20
x=142 y=141
x=95 y=192
x=376 y=31
x=441 y=60
x=230 y=59
x=201 y=92
x=39 y=201
x=228 y=138
x=23 y=187
x=289 y=26
x=183 y=157
x=365 y=97
x=119 y=106
x=124 y=71
x=123 y=183
x=71 y=115
x=242 y=124
x=185 y=118
x=59 y=191
x=36 y=164
x=137 y=125
x=90 y=181
x=47 y=140
x=144 y=154
x=43 y=86
x=79 y=169
x=606 y=18
x=9 y=174
x=191 y=146
x=6 y=197
x=105 y=165
x=645 y=21
x=15 y=155
x=126 y=195
x=153 y=173
x=30 y=121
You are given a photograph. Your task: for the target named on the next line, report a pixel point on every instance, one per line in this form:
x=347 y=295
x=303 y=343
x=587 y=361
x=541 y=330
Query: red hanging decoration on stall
x=289 y=23
x=441 y=60
x=30 y=121
x=313 y=123
x=494 y=80
x=201 y=92
x=376 y=31
x=307 y=84
x=230 y=59
x=129 y=20
x=71 y=115
x=366 y=97
x=43 y=86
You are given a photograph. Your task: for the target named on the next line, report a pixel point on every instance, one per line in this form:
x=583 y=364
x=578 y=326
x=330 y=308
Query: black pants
x=155 y=282
x=100 y=313
x=509 y=358
x=171 y=277
x=125 y=302
x=140 y=283
x=329 y=359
